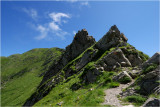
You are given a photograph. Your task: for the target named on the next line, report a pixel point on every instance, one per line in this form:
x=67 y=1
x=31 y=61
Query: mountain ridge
x=112 y=39
x=88 y=67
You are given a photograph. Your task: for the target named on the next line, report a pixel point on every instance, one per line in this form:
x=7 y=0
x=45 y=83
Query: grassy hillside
x=21 y=73
x=74 y=92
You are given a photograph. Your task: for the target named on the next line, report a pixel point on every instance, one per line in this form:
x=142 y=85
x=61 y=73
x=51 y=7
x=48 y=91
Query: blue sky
x=40 y=24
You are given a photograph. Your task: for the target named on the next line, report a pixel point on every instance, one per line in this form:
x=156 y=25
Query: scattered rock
x=128 y=92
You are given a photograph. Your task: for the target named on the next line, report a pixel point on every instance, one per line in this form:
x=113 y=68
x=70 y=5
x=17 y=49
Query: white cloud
x=74 y=32
x=41 y=28
x=31 y=12
x=57 y=16
x=43 y=32
x=85 y=3
x=53 y=27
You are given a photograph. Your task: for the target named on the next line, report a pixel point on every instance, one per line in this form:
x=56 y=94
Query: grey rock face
x=114 y=60
x=152 y=102
x=132 y=56
x=154 y=59
x=111 y=39
x=80 y=42
x=121 y=75
x=87 y=57
x=149 y=83
x=135 y=59
x=91 y=75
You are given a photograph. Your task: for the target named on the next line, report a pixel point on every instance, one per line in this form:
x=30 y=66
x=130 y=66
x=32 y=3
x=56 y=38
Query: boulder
x=134 y=73
x=112 y=39
x=91 y=75
x=154 y=59
x=121 y=76
x=152 y=102
x=132 y=55
x=115 y=59
x=134 y=59
x=149 y=83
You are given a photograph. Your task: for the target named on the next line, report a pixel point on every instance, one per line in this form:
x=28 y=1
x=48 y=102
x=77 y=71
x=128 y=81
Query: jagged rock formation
x=80 y=42
x=150 y=79
x=154 y=59
x=149 y=76
x=91 y=58
x=113 y=38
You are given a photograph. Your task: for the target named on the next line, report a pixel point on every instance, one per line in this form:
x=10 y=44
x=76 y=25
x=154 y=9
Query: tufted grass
x=137 y=100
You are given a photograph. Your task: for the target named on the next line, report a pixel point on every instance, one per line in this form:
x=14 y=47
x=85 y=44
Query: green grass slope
x=91 y=94
x=22 y=73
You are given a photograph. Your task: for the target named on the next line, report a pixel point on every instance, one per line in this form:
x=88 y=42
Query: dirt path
x=111 y=95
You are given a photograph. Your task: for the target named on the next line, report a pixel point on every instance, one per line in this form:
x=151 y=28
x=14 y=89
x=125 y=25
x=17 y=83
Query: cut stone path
x=111 y=96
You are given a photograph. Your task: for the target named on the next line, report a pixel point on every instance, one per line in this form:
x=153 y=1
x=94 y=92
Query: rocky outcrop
x=150 y=79
x=152 y=102
x=113 y=38
x=154 y=59
x=80 y=43
x=114 y=59
x=122 y=77
x=132 y=55
x=91 y=75
x=146 y=84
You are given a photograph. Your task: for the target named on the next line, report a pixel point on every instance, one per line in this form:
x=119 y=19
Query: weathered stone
x=121 y=75
x=115 y=59
x=91 y=75
x=135 y=59
x=152 y=102
x=80 y=42
x=112 y=39
x=128 y=92
x=134 y=73
x=87 y=57
x=154 y=59
x=132 y=55
x=149 y=83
